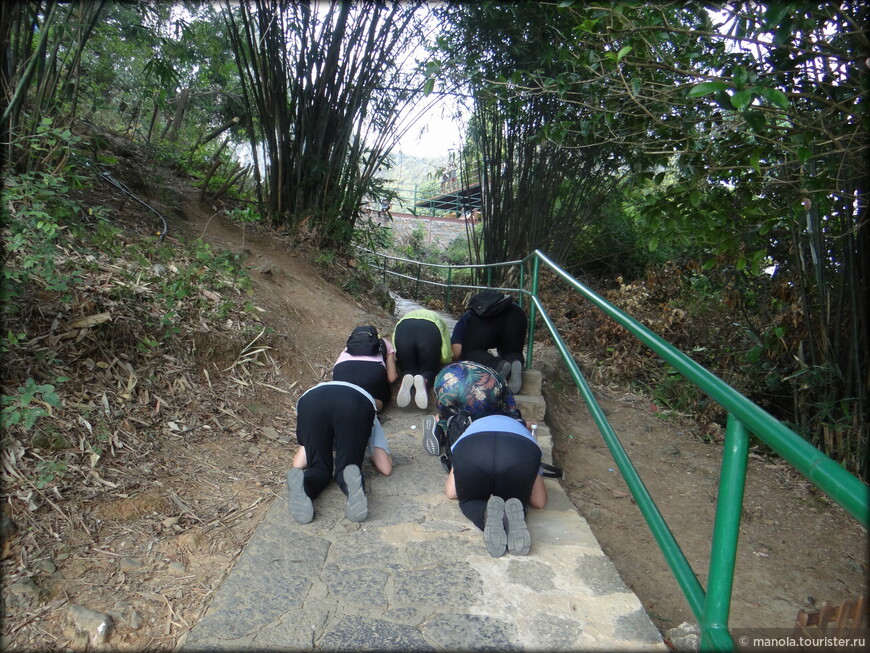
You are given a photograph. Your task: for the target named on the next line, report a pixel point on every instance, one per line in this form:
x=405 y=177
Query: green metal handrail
x=711 y=608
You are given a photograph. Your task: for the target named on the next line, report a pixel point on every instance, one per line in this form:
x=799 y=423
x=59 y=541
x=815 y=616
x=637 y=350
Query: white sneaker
x=404 y=396
x=421 y=392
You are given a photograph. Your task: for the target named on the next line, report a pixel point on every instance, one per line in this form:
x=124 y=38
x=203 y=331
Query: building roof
x=467 y=198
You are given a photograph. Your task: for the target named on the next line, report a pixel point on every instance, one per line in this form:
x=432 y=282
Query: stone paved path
x=416 y=575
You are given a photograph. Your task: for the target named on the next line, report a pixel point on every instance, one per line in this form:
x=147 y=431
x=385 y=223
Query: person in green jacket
x=422 y=346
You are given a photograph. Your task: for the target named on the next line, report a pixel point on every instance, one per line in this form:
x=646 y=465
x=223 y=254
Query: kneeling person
x=331 y=416
x=496 y=476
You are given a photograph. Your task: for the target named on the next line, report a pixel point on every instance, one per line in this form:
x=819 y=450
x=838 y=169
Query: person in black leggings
x=473 y=337
x=332 y=415
x=422 y=347
x=496 y=476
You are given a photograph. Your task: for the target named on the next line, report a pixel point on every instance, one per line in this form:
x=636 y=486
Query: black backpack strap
x=550 y=471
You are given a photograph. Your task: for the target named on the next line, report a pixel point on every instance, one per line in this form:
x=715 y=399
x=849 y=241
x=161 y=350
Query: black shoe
x=445 y=463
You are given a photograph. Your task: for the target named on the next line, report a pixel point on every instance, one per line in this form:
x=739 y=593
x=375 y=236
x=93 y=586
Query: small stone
x=134 y=620
x=127 y=565
x=177 y=568
x=25 y=590
x=270 y=433
x=97 y=625
x=46 y=566
x=124 y=613
x=169 y=522
x=685 y=637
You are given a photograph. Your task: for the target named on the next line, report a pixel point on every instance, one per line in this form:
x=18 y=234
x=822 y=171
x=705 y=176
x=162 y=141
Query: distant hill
x=410 y=173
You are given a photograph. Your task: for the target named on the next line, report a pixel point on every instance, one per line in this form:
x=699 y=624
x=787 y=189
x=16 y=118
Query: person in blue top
x=496 y=476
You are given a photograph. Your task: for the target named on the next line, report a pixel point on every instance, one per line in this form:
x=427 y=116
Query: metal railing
x=711 y=607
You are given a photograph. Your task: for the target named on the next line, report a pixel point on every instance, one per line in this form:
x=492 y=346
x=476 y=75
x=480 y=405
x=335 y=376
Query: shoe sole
x=493 y=527
x=421 y=394
x=430 y=440
x=515 y=384
x=519 y=540
x=357 y=508
x=504 y=370
x=403 y=398
x=301 y=507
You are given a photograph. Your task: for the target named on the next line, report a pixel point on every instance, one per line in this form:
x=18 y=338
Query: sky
x=441 y=134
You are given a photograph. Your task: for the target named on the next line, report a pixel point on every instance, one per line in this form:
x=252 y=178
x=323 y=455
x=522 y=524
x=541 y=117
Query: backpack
x=489 y=303
x=456 y=425
x=458 y=421
x=364 y=341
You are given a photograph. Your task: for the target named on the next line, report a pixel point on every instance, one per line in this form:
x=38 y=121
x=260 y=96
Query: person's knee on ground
x=382 y=461
x=450 y=486
x=538 y=497
x=299 y=458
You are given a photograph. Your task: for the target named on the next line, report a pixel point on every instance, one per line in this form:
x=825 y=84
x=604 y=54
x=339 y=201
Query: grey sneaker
x=493 y=527
x=299 y=502
x=431 y=443
x=515 y=377
x=504 y=370
x=518 y=538
x=421 y=392
x=403 y=398
x=357 y=508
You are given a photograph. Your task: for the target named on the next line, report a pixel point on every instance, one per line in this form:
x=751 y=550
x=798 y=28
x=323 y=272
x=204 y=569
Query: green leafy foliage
x=30 y=402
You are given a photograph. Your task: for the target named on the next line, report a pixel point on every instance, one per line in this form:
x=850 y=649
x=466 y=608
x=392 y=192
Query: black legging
x=493 y=463
x=332 y=416
x=418 y=348
x=505 y=332
x=371 y=376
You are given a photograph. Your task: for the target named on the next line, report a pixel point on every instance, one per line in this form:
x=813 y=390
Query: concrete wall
x=439 y=232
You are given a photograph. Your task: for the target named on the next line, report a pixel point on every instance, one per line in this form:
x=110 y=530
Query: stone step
x=533 y=407
x=531 y=382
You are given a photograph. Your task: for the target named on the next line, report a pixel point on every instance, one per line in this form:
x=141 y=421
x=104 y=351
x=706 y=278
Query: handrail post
x=726 y=531
x=447 y=290
x=522 y=280
x=384 y=271
x=417 y=285
x=489 y=277
x=535 y=264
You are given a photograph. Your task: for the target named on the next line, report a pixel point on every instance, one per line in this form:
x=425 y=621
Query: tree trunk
x=214 y=166
x=180 y=108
